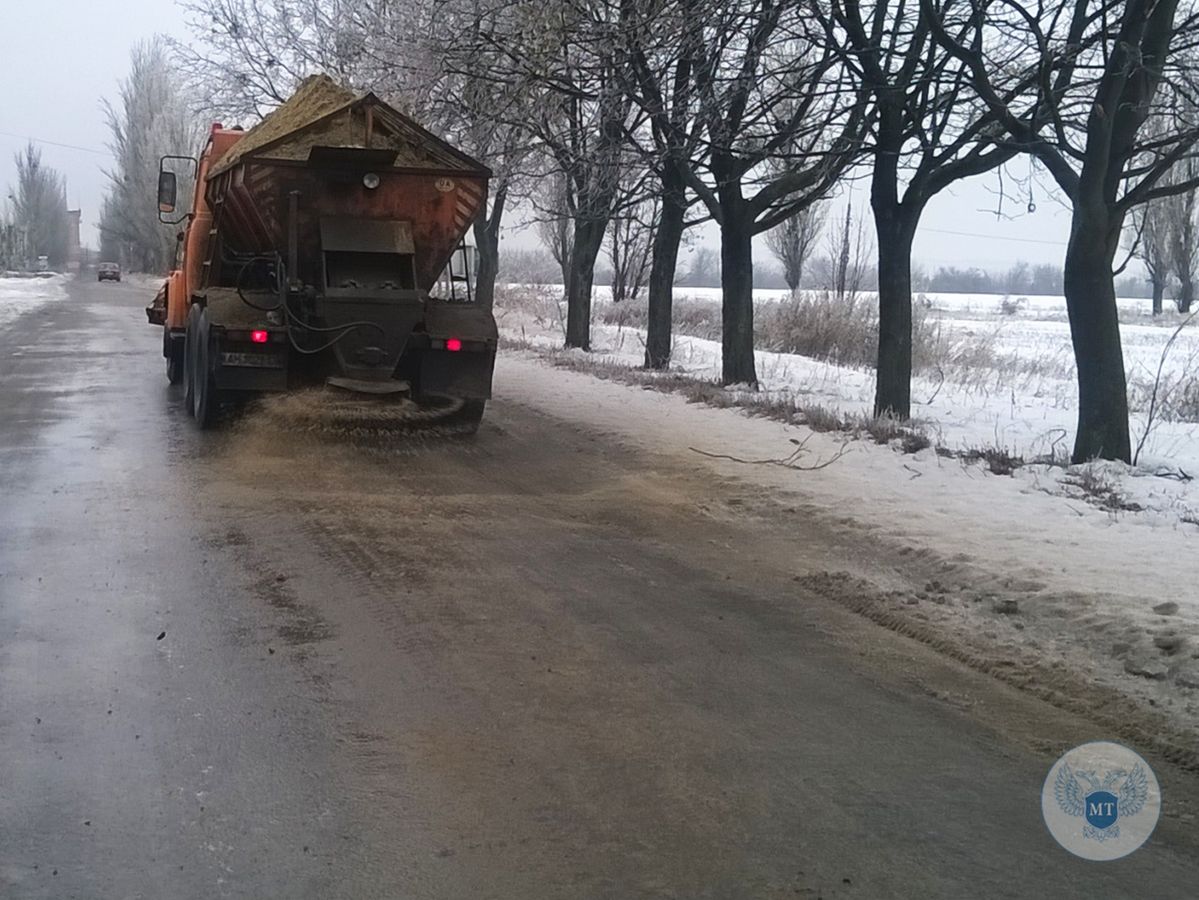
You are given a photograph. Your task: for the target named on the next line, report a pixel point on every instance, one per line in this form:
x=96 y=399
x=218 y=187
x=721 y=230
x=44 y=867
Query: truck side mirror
x=168 y=188
x=167 y=191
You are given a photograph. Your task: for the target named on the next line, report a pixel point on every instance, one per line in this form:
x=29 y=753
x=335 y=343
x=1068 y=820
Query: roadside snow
x=1052 y=563
x=941 y=503
x=1030 y=414
x=20 y=295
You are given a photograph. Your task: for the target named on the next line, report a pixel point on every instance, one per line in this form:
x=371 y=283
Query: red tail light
x=453 y=344
x=259 y=337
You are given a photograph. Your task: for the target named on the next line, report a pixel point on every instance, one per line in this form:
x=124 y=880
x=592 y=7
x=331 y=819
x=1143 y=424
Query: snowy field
x=1088 y=555
x=1025 y=406
x=20 y=295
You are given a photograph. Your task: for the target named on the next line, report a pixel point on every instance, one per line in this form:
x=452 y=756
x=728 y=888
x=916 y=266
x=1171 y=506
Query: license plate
x=253 y=360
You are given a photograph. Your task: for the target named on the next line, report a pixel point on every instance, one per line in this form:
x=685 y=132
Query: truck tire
x=173 y=350
x=189 y=360
x=207 y=402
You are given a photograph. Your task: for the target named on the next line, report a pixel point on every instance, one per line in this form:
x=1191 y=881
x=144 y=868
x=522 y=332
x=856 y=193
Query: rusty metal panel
x=366 y=235
x=439 y=208
x=318 y=145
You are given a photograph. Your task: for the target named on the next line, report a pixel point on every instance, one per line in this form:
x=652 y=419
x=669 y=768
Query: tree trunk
x=1186 y=294
x=1159 y=292
x=487 y=240
x=793 y=274
x=895 y=224
x=841 y=260
x=667 y=237
x=589 y=238
x=1095 y=333
x=737 y=292
x=896 y=228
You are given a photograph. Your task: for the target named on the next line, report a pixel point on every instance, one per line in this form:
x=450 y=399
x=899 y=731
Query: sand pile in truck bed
x=316 y=97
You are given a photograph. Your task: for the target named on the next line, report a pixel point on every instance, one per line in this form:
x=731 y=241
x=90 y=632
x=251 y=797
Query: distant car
x=108 y=272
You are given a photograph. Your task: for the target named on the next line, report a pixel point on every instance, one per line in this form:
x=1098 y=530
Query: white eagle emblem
x=1102 y=802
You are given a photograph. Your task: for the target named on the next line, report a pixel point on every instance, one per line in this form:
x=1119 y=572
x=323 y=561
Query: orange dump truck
x=325 y=246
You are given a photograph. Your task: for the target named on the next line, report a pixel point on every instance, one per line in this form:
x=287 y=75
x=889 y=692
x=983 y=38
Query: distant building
x=73 y=254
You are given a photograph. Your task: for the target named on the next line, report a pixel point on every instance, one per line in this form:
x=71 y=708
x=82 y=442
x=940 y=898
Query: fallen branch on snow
x=1164 y=472
x=790 y=462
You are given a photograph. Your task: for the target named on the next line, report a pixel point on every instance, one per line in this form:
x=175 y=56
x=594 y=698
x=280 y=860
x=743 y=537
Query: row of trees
x=151 y=118
x=35 y=221
x=748 y=112
x=838 y=257
x=700 y=268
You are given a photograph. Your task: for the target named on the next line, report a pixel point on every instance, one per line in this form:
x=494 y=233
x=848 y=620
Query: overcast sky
x=58 y=58
x=61 y=57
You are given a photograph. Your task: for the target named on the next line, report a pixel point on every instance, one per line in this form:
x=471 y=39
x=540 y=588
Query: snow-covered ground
x=20 y=295
x=1087 y=555
x=1026 y=407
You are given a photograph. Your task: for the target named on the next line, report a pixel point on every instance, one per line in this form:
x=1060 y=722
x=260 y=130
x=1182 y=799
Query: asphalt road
x=263 y=663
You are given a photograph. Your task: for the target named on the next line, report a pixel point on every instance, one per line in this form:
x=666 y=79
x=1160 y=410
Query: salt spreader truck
x=324 y=246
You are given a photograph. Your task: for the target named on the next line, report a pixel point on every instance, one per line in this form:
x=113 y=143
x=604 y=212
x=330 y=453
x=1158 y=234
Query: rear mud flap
x=466 y=374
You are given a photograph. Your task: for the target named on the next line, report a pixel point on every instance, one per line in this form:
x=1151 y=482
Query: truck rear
x=311 y=254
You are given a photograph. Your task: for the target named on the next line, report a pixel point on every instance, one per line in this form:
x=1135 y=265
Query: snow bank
x=1027 y=408
x=20 y=295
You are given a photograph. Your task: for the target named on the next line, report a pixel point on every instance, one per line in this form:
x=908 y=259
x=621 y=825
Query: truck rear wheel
x=206 y=402
x=189 y=360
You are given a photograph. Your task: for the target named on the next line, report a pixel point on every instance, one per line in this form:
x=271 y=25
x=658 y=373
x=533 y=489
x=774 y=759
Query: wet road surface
x=262 y=663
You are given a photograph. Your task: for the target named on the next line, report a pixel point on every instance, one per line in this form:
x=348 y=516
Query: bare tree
x=792 y=242
x=925 y=135
x=569 y=55
x=1149 y=238
x=703 y=269
x=661 y=83
x=1074 y=84
x=246 y=56
x=556 y=226
x=844 y=268
x=446 y=64
x=151 y=120
x=761 y=87
x=426 y=59
x=1150 y=243
x=629 y=241
x=14 y=249
x=40 y=207
x=1182 y=236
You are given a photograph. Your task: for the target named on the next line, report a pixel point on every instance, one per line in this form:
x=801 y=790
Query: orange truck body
x=182 y=282
x=315 y=246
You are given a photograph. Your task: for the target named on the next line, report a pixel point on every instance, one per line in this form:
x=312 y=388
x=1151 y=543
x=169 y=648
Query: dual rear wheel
x=199 y=381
